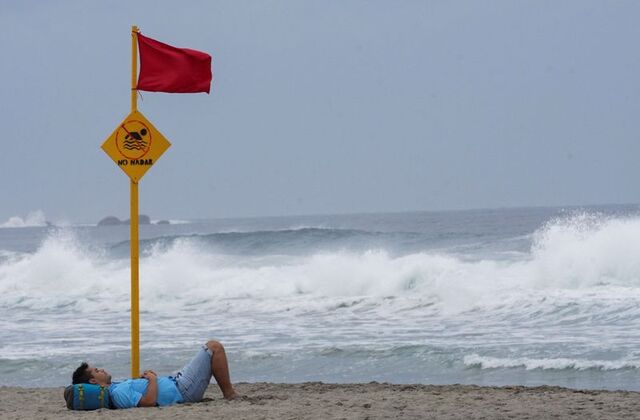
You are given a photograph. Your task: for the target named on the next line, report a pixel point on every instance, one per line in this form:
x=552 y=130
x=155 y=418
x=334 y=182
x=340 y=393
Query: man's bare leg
x=220 y=369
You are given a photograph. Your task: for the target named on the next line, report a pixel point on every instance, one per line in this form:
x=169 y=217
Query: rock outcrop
x=143 y=219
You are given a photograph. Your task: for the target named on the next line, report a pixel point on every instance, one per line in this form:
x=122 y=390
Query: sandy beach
x=315 y=400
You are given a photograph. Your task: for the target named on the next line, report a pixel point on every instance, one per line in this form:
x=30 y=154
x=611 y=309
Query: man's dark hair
x=81 y=375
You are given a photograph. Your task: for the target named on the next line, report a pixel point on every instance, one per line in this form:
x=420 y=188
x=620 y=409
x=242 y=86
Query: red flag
x=164 y=68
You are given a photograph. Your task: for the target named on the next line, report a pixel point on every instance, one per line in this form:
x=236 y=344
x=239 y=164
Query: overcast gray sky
x=325 y=107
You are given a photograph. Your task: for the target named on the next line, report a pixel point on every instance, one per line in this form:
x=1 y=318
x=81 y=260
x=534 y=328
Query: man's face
x=99 y=376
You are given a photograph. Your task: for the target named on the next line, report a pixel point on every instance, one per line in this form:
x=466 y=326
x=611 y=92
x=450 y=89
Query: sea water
x=492 y=297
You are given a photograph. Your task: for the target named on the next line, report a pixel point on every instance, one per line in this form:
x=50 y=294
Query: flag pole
x=135 y=294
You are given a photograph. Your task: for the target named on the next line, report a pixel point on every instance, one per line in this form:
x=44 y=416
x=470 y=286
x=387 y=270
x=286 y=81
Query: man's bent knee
x=214 y=346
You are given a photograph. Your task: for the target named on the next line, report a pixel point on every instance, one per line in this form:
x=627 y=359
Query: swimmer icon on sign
x=133 y=139
x=135 y=145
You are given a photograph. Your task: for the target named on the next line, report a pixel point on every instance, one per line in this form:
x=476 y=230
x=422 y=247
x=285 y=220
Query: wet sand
x=315 y=400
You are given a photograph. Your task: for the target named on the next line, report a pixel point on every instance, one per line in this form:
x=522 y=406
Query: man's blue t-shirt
x=127 y=394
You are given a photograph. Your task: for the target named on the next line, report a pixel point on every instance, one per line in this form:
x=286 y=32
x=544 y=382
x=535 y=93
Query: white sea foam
x=171 y=221
x=33 y=219
x=577 y=258
x=587 y=250
x=58 y=273
x=475 y=360
x=575 y=293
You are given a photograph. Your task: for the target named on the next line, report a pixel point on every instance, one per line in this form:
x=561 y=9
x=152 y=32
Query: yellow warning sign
x=135 y=145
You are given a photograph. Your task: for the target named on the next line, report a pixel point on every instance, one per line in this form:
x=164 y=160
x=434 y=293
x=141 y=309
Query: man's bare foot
x=230 y=396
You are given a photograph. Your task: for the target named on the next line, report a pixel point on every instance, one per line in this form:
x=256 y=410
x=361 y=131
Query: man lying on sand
x=152 y=390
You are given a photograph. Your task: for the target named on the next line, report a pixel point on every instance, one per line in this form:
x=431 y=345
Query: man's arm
x=150 y=397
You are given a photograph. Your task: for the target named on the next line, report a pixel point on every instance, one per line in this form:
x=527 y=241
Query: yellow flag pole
x=134 y=68
x=135 y=295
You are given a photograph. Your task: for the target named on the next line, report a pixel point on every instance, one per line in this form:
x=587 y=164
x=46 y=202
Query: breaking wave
x=475 y=360
x=33 y=219
x=310 y=298
x=570 y=259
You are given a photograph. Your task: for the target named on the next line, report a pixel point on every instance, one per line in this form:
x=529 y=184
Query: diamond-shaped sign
x=135 y=145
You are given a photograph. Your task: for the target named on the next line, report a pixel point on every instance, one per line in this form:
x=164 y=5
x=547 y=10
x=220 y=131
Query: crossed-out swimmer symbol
x=136 y=141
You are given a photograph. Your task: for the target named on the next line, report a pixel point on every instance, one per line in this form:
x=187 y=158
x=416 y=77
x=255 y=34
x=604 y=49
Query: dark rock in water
x=110 y=221
x=143 y=219
x=163 y=222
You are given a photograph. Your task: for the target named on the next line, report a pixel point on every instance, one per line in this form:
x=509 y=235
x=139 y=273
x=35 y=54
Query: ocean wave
x=294 y=241
x=568 y=301
x=572 y=261
x=588 y=249
x=33 y=219
x=484 y=362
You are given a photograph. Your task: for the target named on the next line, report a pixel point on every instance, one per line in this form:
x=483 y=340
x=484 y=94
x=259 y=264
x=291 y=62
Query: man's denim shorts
x=193 y=379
